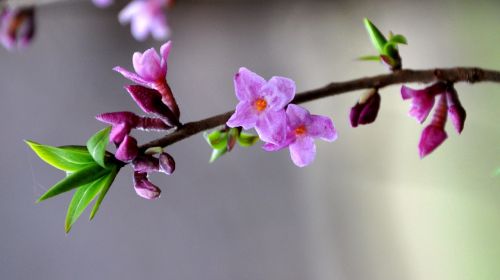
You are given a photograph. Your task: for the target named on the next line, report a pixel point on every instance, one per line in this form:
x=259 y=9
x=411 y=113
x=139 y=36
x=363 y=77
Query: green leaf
x=377 y=38
x=217 y=139
x=79 y=178
x=247 y=139
x=108 y=180
x=398 y=39
x=97 y=145
x=369 y=58
x=84 y=195
x=66 y=158
x=217 y=154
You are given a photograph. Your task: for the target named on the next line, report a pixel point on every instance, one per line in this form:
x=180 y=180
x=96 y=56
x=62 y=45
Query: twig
x=458 y=74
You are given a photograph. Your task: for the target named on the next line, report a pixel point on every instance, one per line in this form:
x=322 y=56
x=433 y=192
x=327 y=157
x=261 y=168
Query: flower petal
x=127 y=150
x=118 y=132
x=167 y=163
x=127 y=13
x=150 y=101
x=145 y=164
x=114 y=118
x=134 y=77
x=164 y=52
x=278 y=92
x=271 y=126
x=455 y=110
x=322 y=127
x=303 y=151
x=147 y=65
x=247 y=84
x=296 y=115
x=431 y=138
x=245 y=116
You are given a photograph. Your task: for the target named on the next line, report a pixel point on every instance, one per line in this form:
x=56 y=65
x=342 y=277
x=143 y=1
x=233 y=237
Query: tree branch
x=453 y=75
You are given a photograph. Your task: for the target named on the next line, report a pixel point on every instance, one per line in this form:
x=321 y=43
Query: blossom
x=302 y=129
x=127 y=150
x=422 y=100
x=366 y=109
x=17 y=27
x=102 y=3
x=261 y=104
x=151 y=71
x=455 y=110
x=434 y=134
x=146 y=16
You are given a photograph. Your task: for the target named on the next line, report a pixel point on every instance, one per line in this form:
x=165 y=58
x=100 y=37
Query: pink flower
x=302 y=129
x=434 y=134
x=151 y=71
x=17 y=27
x=366 y=110
x=261 y=104
x=146 y=16
x=455 y=109
x=422 y=100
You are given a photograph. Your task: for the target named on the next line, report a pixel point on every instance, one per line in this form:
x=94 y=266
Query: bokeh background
x=368 y=208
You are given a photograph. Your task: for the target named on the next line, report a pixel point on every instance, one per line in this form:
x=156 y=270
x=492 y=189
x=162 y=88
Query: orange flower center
x=260 y=104
x=300 y=130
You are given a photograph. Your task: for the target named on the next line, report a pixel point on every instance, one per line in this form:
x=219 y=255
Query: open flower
x=17 y=27
x=302 y=129
x=261 y=104
x=146 y=16
x=151 y=71
x=422 y=99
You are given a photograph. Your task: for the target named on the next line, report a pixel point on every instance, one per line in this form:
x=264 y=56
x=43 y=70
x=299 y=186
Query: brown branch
x=453 y=75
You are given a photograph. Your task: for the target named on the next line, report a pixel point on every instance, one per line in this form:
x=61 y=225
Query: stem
x=451 y=75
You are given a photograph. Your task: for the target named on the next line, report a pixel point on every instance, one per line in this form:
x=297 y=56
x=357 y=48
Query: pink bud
x=431 y=138
x=144 y=188
x=167 y=163
x=150 y=101
x=455 y=110
x=365 y=111
x=146 y=164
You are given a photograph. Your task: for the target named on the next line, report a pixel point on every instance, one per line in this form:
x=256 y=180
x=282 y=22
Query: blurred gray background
x=367 y=208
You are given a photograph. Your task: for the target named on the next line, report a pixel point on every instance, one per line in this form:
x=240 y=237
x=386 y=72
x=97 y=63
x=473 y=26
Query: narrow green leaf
x=391 y=49
x=97 y=145
x=398 y=39
x=247 y=139
x=82 y=197
x=217 y=154
x=377 y=38
x=106 y=184
x=67 y=158
x=74 y=180
x=370 y=58
x=217 y=139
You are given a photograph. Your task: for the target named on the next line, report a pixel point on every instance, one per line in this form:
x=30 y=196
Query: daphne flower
x=455 y=109
x=422 y=100
x=302 y=129
x=127 y=150
x=146 y=16
x=17 y=27
x=144 y=188
x=434 y=134
x=366 y=109
x=151 y=71
x=261 y=104
x=149 y=100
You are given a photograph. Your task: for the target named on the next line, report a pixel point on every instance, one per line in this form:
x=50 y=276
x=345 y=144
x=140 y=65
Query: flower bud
x=127 y=150
x=146 y=164
x=17 y=27
x=144 y=188
x=167 y=163
x=455 y=109
x=366 y=109
x=434 y=134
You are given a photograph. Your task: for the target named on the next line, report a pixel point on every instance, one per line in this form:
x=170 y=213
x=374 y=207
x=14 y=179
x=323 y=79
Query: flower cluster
x=423 y=101
x=151 y=77
x=17 y=27
x=264 y=105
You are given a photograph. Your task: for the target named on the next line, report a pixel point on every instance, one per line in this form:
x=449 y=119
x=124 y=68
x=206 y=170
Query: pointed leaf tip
x=66 y=158
x=377 y=38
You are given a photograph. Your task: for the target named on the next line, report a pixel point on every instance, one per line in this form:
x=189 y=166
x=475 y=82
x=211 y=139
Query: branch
x=452 y=75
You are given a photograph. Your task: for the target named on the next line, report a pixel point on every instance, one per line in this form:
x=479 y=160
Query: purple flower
x=127 y=150
x=146 y=16
x=366 y=109
x=422 y=100
x=167 y=163
x=17 y=27
x=146 y=164
x=434 y=134
x=144 y=188
x=102 y=3
x=302 y=129
x=261 y=104
x=455 y=109
x=151 y=71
